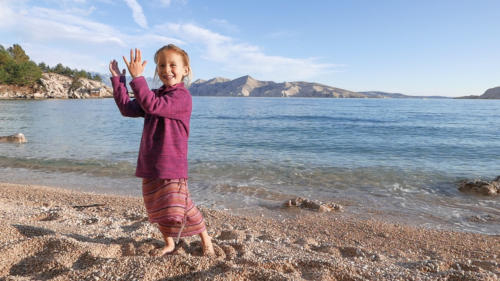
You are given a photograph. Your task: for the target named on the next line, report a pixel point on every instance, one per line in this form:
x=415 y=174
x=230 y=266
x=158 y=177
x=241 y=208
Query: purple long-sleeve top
x=166 y=112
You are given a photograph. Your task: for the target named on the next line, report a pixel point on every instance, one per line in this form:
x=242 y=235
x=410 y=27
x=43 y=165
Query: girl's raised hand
x=113 y=68
x=136 y=65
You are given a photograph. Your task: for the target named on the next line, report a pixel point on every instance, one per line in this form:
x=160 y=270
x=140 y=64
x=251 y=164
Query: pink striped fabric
x=169 y=204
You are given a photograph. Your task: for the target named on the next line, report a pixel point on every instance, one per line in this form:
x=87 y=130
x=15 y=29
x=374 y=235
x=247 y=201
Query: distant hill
x=378 y=94
x=493 y=93
x=247 y=86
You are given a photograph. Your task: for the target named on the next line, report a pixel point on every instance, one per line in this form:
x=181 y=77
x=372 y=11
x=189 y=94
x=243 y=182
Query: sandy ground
x=56 y=234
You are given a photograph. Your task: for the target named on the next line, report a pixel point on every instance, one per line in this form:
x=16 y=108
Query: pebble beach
x=51 y=233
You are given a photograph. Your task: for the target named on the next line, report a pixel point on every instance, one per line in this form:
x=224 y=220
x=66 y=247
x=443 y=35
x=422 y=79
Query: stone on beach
x=312 y=205
x=232 y=235
x=16 y=138
x=488 y=188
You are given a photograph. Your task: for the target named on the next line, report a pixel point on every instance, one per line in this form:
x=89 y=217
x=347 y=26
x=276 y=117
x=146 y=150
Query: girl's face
x=171 y=68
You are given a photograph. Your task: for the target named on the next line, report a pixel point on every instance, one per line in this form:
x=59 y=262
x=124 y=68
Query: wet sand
x=57 y=234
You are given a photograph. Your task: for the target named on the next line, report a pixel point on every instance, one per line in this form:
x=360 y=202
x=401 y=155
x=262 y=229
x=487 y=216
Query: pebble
x=308 y=241
x=232 y=234
x=129 y=249
x=351 y=252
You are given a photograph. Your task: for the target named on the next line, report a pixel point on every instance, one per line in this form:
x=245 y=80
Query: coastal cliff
x=57 y=86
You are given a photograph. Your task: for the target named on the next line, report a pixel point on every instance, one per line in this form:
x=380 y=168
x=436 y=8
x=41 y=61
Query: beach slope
x=56 y=234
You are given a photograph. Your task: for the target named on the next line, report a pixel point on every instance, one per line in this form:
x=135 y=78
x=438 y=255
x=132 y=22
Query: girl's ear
x=186 y=71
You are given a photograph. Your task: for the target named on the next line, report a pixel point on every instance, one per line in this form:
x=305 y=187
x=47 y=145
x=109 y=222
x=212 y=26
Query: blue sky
x=448 y=48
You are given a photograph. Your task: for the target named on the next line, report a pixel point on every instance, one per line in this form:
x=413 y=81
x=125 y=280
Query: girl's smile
x=171 y=68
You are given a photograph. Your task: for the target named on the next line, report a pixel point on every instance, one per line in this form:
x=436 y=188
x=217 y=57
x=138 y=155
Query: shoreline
x=60 y=234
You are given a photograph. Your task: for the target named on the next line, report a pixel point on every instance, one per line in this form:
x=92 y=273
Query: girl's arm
x=127 y=107
x=175 y=106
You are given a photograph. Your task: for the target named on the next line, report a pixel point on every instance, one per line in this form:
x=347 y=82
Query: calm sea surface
x=403 y=157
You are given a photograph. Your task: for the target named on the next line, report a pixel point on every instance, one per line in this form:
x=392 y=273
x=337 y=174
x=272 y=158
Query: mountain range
x=247 y=86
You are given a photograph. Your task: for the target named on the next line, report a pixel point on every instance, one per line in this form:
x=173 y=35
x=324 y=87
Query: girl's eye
x=172 y=65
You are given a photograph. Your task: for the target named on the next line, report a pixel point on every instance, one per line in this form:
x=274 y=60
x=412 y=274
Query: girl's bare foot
x=169 y=247
x=206 y=244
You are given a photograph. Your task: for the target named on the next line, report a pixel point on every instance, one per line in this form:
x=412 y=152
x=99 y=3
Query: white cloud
x=222 y=23
x=46 y=25
x=84 y=43
x=244 y=58
x=50 y=24
x=166 y=2
x=65 y=36
x=137 y=13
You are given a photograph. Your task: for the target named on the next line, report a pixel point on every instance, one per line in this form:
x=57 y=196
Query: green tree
x=18 y=54
x=16 y=68
x=4 y=76
x=4 y=57
x=59 y=69
x=44 y=67
x=97 y=77
x=31 y=73
x=67 y=71
x=23 y=74
x=81 y=74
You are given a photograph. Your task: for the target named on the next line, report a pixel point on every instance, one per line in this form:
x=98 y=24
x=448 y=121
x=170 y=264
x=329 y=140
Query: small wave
x=316 y=118
x=296 y=177
x=95 y=167
x=252 y=191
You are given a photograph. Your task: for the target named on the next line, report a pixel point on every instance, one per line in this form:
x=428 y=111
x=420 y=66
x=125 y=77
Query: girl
x=162 y=161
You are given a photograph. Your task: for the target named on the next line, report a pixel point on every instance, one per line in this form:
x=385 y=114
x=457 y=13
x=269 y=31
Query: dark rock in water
x=312 y=205
x=16 y=138
x=484 y=219
x=488 y=188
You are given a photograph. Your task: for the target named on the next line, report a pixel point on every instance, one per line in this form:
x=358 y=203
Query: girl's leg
x=206 y=244
x=169 y=246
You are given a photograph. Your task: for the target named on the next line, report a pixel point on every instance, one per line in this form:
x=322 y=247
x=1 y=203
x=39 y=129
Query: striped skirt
x=169 y=204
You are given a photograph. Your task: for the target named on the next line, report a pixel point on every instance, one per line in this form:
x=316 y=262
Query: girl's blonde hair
x=171 y=47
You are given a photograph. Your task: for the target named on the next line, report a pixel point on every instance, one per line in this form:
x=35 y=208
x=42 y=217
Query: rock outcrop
x=488 y=188
x=312 y=205
x=57 y=86
x=16 y=138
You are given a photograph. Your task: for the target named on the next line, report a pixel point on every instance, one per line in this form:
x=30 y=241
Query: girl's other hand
x=136 y=65
x=113 y=68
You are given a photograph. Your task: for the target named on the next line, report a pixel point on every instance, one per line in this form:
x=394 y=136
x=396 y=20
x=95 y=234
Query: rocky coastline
x=57 y=86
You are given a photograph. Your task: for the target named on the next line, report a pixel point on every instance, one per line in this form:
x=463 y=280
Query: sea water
x=399 y=157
